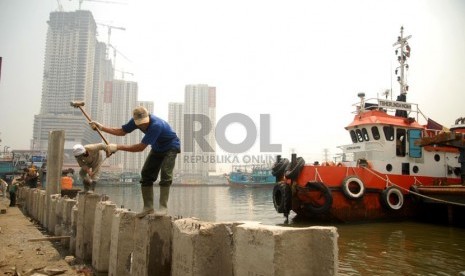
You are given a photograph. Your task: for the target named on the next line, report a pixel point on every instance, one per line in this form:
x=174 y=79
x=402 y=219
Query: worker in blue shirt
x=165 y=146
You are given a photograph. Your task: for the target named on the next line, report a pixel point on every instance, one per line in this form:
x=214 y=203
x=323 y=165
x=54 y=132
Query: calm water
x=403 y=248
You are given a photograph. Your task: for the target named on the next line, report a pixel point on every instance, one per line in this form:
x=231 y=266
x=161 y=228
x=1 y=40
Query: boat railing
x=387 y=106
x=431 y=132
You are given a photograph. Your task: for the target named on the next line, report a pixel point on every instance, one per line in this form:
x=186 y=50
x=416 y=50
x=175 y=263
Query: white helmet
x=78 y=149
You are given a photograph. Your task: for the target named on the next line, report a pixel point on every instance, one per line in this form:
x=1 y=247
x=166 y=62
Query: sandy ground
x=18 y=256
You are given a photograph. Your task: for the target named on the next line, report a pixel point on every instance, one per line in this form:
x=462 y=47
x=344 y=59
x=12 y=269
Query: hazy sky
x=302 y=62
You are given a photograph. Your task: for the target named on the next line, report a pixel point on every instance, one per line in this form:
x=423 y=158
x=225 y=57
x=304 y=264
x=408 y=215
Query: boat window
x=353 y=136
x=400 y=142
x=389 y=133
x=359 y=135
x=375 y=133
x=365 y=134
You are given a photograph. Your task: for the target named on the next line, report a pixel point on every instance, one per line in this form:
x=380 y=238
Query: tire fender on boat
x=278 y=168
x=392 y=198
x=415 y=197
x=316 y=207
x=282 y=198
x=293 y=172
x=353 y=187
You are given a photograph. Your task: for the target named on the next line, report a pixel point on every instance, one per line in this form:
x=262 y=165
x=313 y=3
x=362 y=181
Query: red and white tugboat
x=393 y=164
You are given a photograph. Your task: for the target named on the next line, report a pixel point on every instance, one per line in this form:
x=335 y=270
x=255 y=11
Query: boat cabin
x=385 y=138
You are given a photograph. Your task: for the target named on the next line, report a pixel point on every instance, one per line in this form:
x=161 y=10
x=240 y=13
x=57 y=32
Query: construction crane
x=60 y=7
x=114 y=55
x=100 y=1
x=109 y=34
x=124 y=72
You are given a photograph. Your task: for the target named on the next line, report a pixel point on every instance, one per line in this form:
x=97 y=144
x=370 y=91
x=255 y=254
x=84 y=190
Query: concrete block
x=85 y=225
x=51 y=221
x=22 y=195
x=41 y=207
x=68 y=205
x=202 y=248
x=122 y=242
x=44 y=213
x=59 y=210
x=104 y=214
x=27 y=201
x=59 y=226
x=35 y=204
x=274 y=250
x=72 y=240
x=31 y=203
x=152 y=246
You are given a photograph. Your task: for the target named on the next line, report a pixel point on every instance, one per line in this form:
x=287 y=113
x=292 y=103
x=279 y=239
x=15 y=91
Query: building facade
x=199 y=113
x=77 y=68
x=70 y=61
x=176 y=121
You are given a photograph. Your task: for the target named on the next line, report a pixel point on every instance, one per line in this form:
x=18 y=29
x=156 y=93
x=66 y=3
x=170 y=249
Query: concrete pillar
x=59 y=217
x=74 y=219
x=22 y=197
x=27 y=204
x=85 y=225
x=56 y=142
x=41 y=207
x=122 y=242
x=68 y=205
x=202 y=248
x=104 y=214
x=67 y=230
x=50 y=213
x=35 y=204
x=274 y=250
x=152 y=246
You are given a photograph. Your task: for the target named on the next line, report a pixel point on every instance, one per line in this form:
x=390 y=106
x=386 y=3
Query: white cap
x=78 y=149
x=140 y=115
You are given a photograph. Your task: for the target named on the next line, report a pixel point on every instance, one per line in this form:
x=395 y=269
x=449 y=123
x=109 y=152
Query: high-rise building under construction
x=70 y=57
x=77 y=68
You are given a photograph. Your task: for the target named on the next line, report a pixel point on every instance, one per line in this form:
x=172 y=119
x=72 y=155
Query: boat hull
x=374 y=203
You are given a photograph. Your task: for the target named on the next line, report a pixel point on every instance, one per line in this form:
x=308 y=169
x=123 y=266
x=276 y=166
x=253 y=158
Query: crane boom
x=101 y=1
x=109 y=33
x=60 y=7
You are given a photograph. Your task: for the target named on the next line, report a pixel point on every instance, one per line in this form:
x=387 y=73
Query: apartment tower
x=69 y=69
x=199 y=100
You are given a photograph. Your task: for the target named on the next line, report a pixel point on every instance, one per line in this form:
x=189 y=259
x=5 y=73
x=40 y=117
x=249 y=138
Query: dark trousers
x=158 y=162
x=12 y=199
x=32 y=183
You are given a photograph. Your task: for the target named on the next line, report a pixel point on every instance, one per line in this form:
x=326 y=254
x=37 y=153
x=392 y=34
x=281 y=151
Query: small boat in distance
x=251 y=176
x=395 y=167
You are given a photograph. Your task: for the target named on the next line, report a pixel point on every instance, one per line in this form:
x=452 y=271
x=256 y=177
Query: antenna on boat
x=361 y=95
x=402 y=57
x=386 y=93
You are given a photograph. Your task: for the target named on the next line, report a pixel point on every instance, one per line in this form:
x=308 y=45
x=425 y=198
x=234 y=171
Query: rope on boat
x=412 y=192
x=417 y=181
x=317 y=174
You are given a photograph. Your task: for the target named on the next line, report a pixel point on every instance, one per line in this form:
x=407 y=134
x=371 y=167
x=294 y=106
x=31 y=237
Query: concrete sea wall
x=115 y=242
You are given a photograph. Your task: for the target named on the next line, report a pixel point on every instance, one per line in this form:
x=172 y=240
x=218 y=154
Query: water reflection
x=402 y=248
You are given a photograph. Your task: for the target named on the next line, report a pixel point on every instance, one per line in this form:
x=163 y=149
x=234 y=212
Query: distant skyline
x=302 y=62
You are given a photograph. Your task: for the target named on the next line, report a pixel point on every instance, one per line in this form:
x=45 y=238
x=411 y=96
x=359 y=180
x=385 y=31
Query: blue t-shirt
x=159 y=134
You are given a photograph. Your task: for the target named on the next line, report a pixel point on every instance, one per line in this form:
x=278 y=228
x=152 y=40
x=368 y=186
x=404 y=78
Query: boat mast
x=402 y=59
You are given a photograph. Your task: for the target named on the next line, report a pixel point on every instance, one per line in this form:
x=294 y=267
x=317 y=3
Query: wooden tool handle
x=90 y=120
